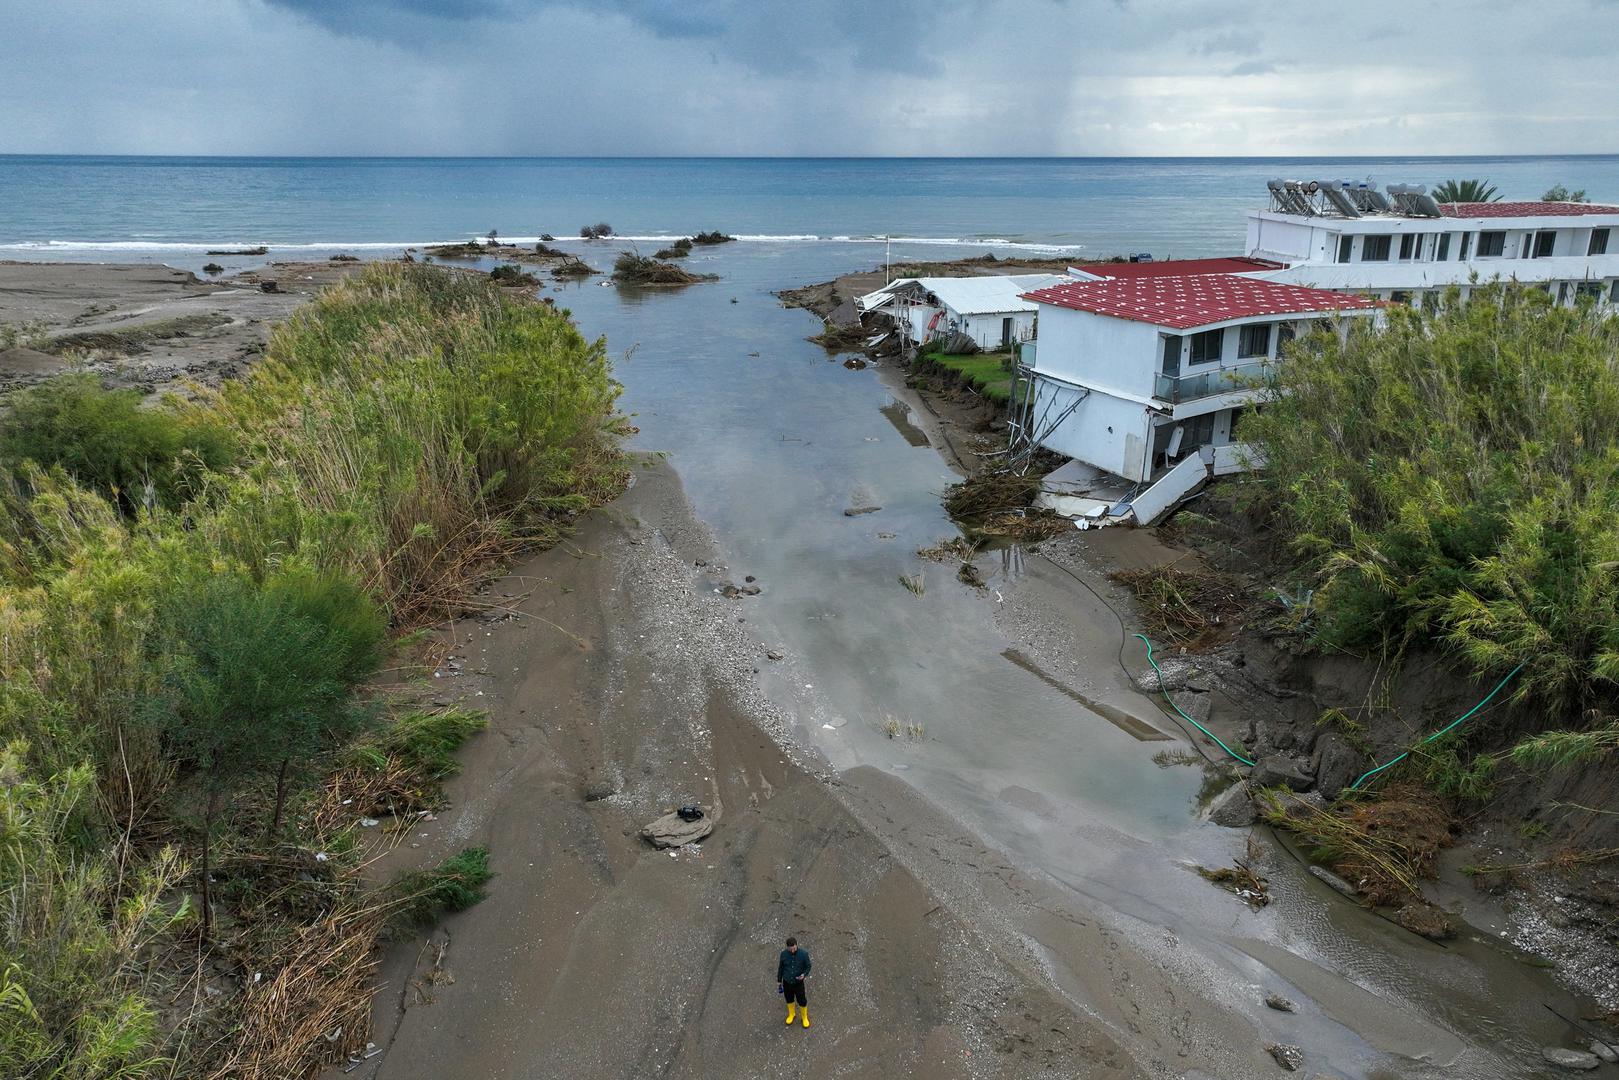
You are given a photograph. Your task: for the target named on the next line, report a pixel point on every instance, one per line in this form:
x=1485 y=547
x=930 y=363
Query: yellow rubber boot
x=792 y=1008
x=806 y=1016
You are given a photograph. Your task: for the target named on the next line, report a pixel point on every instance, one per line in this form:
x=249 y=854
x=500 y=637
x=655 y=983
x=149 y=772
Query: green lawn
x=984 y=372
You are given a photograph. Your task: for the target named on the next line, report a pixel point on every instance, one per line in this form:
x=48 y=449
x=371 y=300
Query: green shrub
x=424 y=897
x=1455 y=479
x=107 y=441
x=427 y=740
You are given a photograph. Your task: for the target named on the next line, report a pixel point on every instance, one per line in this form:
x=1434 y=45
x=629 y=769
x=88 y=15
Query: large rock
x=671 y=831
x=1570 y=1059
x=1234 y=808
x=1278 y=771
x=1337 y=764
x=1427 y=920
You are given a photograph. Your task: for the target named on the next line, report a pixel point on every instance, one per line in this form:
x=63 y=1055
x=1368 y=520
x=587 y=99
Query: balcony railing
x=1201 y=384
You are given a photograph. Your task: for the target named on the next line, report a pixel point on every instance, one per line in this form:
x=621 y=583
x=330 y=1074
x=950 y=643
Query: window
x=1345 y=243
x=1444 y=247
x=1374 y=249
x=1172 y=355
x=1206 y=346
x=1544 y=242
x=1286 y=333
x=1598 y=245
x=1491 y=244
x=1400 y=296
x=1410 y=247
x=1467 y=238
x=1253 y=341
x=1587 y=290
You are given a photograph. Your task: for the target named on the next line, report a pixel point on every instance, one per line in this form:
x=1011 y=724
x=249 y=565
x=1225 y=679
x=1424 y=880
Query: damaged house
x=990 y=312
x=1143 y=381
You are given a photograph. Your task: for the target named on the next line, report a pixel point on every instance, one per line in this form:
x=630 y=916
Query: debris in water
x=1279 y=1003
x=856 y=511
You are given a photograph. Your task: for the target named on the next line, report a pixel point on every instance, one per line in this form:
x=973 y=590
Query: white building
x=1403 y=245
x=1136 y=377
x=991 y=310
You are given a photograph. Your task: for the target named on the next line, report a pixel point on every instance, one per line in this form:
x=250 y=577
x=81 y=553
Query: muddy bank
x=1532 y=863
x=620 y=684
x=142 y=326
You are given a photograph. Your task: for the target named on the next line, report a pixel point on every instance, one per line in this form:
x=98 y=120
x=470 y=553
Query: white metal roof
x=971 y=295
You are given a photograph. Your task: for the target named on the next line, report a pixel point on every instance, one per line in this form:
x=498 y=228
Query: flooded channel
x=773 y=442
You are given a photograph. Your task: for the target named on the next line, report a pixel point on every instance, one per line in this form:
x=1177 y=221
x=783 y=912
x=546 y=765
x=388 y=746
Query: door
x=1006 y=332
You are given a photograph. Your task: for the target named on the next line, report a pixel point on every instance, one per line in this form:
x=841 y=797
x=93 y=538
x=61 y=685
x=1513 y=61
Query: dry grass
x=1191 y=607
x=1383 y=846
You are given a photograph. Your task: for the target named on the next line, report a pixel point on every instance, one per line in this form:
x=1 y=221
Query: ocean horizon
x=156 y=208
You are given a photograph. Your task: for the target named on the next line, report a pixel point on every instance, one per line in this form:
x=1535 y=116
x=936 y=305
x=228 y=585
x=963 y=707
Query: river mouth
x=774 y=441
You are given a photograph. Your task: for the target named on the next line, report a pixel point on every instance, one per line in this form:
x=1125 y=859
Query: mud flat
x=621 y=683
x=145 y=326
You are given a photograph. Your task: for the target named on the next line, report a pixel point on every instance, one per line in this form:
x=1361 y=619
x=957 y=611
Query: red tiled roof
x=1523 y=209
x=1183 y=302
x=1179 y=267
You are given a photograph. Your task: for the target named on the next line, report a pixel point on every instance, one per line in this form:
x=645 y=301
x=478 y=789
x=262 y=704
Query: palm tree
x=1454 y=191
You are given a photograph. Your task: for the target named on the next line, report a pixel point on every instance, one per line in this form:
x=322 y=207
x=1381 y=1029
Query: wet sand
x=618 y=668
x=146 y=326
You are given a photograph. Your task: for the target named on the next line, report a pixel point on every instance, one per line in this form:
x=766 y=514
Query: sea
x=773 y=438
x=176 y=208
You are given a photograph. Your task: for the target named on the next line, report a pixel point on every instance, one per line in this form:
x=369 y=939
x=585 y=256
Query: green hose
x=1448 y=727
x=1178 y=709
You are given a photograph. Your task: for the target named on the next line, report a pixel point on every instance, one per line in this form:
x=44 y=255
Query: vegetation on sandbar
x=632 y=268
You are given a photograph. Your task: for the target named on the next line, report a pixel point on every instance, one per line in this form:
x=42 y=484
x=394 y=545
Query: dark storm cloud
x=988 y=77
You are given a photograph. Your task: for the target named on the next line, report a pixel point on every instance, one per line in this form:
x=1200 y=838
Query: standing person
x=791 y=971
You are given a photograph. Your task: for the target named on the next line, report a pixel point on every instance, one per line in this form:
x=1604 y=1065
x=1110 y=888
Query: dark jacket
x=792 y=965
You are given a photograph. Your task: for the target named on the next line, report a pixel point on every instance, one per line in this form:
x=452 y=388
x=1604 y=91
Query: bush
x=425 y=897
x=405 y=427
x=107 y=441
x=714 y=237
x=596 y=232
x=510 y=275
x=634 y=269
x=1456 y=478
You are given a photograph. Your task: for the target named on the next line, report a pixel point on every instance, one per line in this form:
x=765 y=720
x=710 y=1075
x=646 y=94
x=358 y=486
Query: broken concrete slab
x=671 y=831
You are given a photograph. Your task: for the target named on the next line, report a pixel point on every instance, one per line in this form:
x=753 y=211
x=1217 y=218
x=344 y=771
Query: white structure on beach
x=1146 y=378
x=990 y=310
x=1401 y=245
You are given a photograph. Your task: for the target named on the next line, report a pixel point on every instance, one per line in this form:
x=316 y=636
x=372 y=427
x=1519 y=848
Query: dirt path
x=597 y=956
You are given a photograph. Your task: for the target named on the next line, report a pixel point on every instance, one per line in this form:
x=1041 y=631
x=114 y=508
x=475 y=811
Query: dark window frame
x=1199 y=344
x=1443 y=255
x=1545 y=244
x=1375 y=248
x=1346 y=248
x=1245 y=351
x=1598 y=244
x=1492 y=243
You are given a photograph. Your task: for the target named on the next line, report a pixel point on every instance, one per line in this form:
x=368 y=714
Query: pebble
x=1279 y=1003
x=1288 y=1057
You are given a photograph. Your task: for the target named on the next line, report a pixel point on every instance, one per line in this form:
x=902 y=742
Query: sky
x=807 y=77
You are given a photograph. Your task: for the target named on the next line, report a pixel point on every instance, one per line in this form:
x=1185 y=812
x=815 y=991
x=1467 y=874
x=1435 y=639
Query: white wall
x=1098 y=351
x=1104 y=431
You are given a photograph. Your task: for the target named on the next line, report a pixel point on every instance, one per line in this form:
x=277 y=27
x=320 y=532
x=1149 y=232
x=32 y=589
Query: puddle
x=899 y=415
x=1131 y=725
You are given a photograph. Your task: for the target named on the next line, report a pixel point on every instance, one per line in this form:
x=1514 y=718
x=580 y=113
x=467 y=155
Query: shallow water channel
x=773 y=441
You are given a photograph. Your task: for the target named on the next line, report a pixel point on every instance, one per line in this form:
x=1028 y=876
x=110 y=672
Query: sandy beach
x=143 y=325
